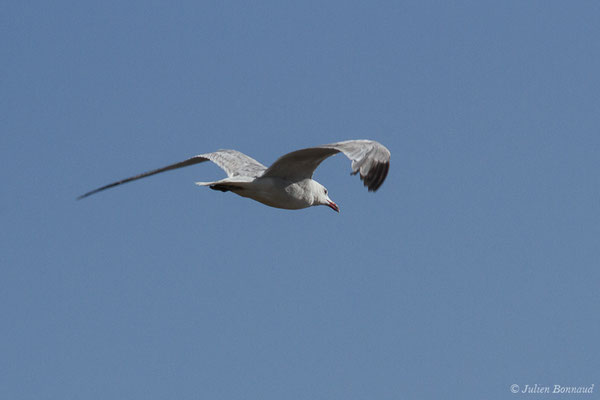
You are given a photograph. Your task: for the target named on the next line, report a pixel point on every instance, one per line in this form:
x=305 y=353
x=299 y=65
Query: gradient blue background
x=474 y=267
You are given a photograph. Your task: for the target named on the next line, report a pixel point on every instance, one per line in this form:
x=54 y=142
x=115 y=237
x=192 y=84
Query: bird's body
x=272 y=191
x=288 y=182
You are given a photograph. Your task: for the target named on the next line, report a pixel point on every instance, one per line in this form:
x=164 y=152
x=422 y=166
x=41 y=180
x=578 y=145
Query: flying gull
x=288 y=182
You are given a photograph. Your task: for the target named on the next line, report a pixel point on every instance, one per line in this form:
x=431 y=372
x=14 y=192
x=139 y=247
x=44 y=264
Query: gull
x=288 y=182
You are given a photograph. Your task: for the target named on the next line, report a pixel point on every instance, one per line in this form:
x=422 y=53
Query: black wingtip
x=83 y=196
x=103 y=188
x=377 y=174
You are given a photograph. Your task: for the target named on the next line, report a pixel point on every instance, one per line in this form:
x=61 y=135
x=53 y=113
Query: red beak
x=333 y=206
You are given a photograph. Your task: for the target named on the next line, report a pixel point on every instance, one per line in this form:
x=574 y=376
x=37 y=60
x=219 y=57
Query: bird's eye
x=325 y=190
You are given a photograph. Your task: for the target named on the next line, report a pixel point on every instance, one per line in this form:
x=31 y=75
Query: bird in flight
x=288 y=182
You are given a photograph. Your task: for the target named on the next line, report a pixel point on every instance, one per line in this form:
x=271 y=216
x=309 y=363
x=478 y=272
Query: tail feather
x=224 y=185
x=221 y=187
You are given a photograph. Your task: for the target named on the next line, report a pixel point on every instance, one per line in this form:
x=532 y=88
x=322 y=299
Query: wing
x=370 y=158
x=232 y=162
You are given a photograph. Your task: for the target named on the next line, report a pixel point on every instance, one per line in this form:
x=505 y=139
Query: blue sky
x=474 y=267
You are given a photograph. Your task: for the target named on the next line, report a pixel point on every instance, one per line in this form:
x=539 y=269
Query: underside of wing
x=369 y=158
x=235 y=163
x=299 y=164
x=232 y=162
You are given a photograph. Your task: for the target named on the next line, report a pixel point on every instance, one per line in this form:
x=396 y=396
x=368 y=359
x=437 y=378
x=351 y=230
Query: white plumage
x=288 y=182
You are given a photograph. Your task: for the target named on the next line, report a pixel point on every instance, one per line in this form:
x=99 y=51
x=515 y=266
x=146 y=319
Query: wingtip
x=374 y=179
x=83 y=196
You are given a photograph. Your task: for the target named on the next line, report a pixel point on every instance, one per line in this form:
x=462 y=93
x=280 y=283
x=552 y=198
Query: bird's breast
x=278 y=193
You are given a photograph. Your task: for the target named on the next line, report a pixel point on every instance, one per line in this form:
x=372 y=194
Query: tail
x=224 y=185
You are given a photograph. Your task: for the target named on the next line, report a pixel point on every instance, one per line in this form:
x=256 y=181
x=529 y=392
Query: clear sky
x=476 y=266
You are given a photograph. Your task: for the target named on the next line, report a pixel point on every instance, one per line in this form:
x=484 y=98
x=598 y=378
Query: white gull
x=288 y=182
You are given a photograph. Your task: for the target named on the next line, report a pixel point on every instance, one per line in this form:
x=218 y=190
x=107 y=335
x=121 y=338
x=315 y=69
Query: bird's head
x=322 y=198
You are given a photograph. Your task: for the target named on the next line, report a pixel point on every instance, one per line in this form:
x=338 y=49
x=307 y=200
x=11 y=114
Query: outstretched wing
x=370 y=158
x=232 y=162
